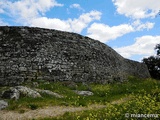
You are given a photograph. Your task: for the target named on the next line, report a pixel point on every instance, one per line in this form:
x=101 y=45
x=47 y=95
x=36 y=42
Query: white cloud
x=77 y=6
x=147 y=25
x=139 y=26
x=137 y=9
x=77 y=25
x=32 y=13
x=105 y=33
x=72 y=25
x=27 y=9
x=143 y=46
x=52 y=23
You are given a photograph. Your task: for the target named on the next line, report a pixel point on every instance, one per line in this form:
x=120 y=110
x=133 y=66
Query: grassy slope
x=103 y=94
x=145 y=96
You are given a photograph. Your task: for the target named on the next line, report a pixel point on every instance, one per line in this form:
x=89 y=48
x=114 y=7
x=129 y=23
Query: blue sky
x=131 y=27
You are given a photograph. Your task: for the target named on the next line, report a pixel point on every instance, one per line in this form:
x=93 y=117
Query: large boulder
x=19 y=91
x=11 y=93
x=35 y=53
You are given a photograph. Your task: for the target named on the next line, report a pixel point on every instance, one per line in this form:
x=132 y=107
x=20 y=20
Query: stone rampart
x=34 y=53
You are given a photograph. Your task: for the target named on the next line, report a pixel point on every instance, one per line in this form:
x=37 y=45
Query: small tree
x=158 y=49
x=153 y=63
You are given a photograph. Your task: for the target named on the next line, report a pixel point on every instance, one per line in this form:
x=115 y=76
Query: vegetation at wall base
x=141 y=96
x=140 y=104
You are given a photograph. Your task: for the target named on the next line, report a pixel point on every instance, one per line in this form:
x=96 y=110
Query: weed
x=33 y=106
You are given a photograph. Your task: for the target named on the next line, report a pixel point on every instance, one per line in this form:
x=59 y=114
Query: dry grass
x=52 y=111
x=45 y=112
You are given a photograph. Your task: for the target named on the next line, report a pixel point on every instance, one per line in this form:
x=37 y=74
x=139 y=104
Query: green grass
x=140 y=104
x=103 y=94
x=145 y=100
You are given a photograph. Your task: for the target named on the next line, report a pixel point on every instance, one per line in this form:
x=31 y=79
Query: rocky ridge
x=28 y=53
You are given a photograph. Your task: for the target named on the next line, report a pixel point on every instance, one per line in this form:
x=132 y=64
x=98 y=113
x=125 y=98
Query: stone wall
x=35 y=53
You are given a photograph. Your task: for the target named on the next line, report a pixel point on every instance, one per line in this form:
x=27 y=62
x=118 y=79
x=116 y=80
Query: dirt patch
x=50 y=111
x=45 y=112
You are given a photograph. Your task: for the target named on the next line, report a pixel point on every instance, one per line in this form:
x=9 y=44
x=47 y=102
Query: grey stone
x=36 y=53
x=19 y=91
x=3 y=104
x=49 y=93
x=24 y=91
x=11 y=93
x=84 y=93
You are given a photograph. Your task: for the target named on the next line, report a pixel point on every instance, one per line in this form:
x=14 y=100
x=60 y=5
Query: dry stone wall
x=35 y=53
